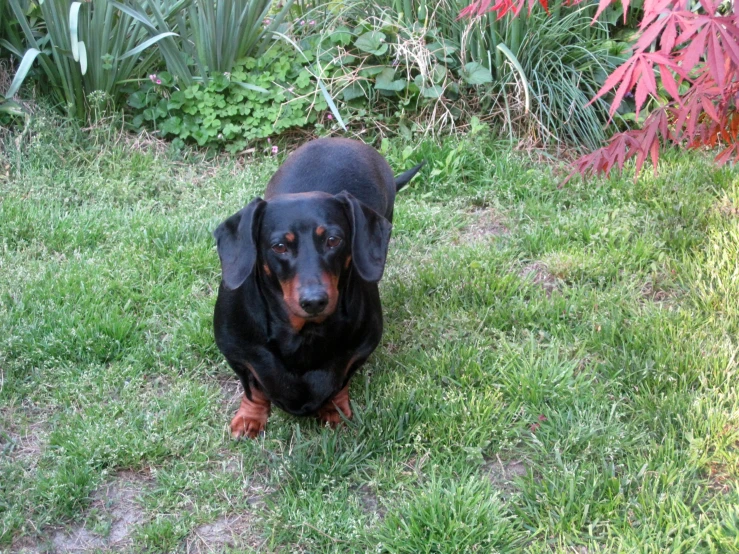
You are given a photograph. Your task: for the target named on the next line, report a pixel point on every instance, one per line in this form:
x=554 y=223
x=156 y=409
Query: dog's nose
x=314 y=301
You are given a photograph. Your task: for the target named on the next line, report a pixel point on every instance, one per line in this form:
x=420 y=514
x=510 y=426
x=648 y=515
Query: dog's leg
x=251 y=417
x=329 y=412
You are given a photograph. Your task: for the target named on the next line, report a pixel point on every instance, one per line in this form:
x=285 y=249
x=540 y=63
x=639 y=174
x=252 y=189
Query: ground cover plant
x=556 y=373
x=233 y=110
x=416 y=68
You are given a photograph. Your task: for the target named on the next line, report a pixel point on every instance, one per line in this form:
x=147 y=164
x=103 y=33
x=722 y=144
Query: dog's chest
x=308 y=350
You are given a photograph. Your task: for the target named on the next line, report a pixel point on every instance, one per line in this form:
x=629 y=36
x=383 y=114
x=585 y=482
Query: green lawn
x=556 y=375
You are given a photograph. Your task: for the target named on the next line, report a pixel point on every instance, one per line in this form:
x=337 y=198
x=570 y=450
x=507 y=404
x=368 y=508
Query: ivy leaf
x=372 y=42
x=442 y=51
x=137 y=100
x=476 y=74
x=341 y=35
x=438 y=74
x=371 y=71
x=434 y=91
x=166 y=78
x=353 y=91
x=171 y=126
x=386 y=81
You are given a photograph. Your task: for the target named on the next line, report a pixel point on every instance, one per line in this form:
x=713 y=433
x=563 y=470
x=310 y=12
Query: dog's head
x=304 y=242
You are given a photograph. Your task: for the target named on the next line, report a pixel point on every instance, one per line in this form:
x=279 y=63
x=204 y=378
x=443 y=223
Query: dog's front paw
x=244 y=426
x=329 y=412
x=251 y=417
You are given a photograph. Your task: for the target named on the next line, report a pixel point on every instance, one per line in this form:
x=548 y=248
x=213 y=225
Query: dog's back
x=333 y=165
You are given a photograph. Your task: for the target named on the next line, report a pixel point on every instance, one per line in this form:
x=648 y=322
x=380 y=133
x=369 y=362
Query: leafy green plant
x=205 y=37
x=535 y=75
x=261 y=97
x=81 y=48
x=397 y=71
x=546 y=96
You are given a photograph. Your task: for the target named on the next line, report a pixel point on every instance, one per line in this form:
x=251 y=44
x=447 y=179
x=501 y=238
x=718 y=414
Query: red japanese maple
x=691 y=55
x=502 y=7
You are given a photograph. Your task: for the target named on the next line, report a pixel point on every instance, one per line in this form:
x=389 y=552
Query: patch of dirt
x=502 y=474
x=653 y=293
x=230 y=531
x=119 y=500
x=231 y=390
x=26 y=545
x=25 y=447
x=23 y=432
x=486 y=223
x=539 y=274
x=728 y=209
x=369 y=502
x=116 y=502
x=79 y=540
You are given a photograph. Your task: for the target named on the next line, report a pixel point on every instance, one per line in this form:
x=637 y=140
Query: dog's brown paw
x=251 y=417
x=329 y=412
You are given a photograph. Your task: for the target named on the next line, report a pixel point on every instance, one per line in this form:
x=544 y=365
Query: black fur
x=321 y=231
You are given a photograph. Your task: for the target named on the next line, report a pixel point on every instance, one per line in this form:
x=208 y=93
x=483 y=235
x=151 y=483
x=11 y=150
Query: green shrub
x=534 y=75
x=408 y=63
x=81 y=47
x=403 y=75
x=260 y=98
x=101 y=45
x=206 y=37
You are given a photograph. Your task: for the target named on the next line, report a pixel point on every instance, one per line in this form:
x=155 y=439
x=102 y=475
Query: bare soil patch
x=369 y=502
x=539 y=274
x=502 y=474
x=231 y=390
x=229 y=531
x=486 y=223
x=728 y=209
x=653 y=293
x=117 y=503
x=25 y=447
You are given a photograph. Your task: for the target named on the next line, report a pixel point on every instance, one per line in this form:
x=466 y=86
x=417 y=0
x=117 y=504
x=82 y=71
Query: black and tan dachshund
x=298 y=309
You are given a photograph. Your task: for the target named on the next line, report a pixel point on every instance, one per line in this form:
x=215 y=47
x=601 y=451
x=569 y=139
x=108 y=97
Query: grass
x=556 y=373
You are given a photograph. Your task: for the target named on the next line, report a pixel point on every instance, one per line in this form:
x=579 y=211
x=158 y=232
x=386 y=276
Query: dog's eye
x=333 y=242
x=279 y=248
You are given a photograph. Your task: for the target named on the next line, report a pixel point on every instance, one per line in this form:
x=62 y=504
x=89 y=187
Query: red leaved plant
x=693 y=55
x=502 y=7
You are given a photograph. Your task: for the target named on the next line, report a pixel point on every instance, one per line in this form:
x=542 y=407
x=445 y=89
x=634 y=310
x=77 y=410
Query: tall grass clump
x=207 y=37
x=562 y=63
x=104 y=46
x=81 y=47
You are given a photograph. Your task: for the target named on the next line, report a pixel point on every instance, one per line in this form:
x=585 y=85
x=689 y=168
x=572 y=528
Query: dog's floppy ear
x=370 y=238
x=237 y=239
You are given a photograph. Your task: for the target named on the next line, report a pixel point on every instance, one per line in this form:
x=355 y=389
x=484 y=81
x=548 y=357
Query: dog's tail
x=403 y=179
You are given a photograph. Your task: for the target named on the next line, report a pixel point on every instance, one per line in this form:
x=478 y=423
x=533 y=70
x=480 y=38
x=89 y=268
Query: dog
x=298 y=308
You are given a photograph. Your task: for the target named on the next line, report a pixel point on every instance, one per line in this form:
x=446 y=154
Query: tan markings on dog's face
x=297 y=322
x=290 y=237
x=347 y=262
x=267 y=270
x=291 y=295
x=331 y=284
x=320 y=230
